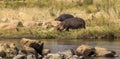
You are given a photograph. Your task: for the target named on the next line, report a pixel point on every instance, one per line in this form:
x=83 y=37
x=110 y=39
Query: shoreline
x=60 y=37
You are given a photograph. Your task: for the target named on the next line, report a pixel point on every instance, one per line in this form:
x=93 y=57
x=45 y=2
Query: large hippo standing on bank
x=70 y=22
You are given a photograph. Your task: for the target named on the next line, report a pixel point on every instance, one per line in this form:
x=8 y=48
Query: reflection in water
x=59 y=45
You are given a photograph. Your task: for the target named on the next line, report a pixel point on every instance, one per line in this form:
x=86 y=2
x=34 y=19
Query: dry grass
x=101 y=16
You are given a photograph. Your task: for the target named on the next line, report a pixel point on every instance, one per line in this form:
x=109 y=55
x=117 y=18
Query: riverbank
x=32 y=20
x=88 y=33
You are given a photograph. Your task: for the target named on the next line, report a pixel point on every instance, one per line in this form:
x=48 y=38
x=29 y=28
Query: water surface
x=56 y=45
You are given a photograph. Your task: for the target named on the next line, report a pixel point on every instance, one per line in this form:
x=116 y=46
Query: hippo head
x=60 y=27
x=63 y=17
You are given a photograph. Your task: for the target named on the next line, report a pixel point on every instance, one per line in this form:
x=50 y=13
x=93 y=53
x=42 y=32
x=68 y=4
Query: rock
x=27 y=42
x=4 y=46
x=46 y=51
x=53 y=56
x=31 y=46
x=9 y=48
x=8 y=27
x=16 y=23
x=104 y=52
x=67 y=54
x=20 y=57
x=22 y=52
x=28 y=49
x=12 y=45
x=1 y=58
x=74 y=57
x=85 y=50
x=14 y=48
x=31 y=56
x=38 y=47
x=5 y=19
x=2 y=54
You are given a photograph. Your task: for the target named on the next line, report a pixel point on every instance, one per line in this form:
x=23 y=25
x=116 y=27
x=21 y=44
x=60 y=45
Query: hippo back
x=63 y=17
x=74 y=23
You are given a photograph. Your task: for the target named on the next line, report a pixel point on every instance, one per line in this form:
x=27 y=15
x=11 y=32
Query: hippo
x=71 y=23
x=63 y=17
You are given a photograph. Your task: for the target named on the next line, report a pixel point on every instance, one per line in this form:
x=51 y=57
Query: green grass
x=88 y=33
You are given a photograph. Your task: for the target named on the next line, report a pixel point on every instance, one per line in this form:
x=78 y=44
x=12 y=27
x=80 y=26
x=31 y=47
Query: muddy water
x=61 y=45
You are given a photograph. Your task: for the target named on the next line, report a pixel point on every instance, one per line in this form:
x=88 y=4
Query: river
x=56 y=45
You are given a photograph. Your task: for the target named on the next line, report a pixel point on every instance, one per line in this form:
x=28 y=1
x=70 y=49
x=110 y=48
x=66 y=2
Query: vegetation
x=102 y=17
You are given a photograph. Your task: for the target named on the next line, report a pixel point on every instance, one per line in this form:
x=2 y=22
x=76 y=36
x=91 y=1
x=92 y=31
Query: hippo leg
x=67 y=29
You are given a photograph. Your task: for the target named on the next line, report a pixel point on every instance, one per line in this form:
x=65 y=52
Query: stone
x=27 y=42
x=85 y=50
x=10 y=49
x=2 y=54
x=46 y=51
x=8 y=27
x=38 y=47
x=31 y=56
x=67 y=54
x=20 y=57
x=4 y=19
x=103 y=52
x=1 y=58
x=16 y=23
x=53 y=56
